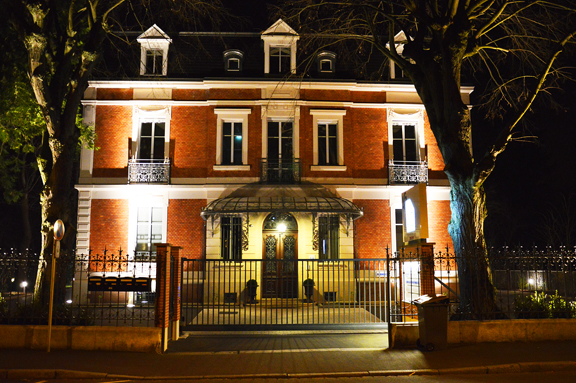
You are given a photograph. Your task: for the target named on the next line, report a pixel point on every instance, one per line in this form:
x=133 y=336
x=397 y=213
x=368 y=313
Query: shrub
x=531 y=306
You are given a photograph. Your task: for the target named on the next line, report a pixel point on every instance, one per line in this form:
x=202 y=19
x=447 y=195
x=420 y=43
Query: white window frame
x=145 y=200
x=280 y=41
x=140 y=115
x=281 y=111
x=407 y=117
x=327 y=56
x=328 y=116
x=233 y=55
x=232 y=115
x=154 y=39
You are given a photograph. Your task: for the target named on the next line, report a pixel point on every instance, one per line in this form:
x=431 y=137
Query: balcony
x=407 y=172
x=149 y=171
x=280 y=171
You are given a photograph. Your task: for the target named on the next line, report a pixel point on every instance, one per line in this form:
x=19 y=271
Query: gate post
x=162 y=319
x=427 y=269
x=176 y=291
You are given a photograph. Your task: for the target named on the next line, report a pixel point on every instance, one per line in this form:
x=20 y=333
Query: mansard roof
x=200 y=55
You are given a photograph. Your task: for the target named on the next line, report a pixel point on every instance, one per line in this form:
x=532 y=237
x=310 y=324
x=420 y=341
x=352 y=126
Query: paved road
x=540 y=377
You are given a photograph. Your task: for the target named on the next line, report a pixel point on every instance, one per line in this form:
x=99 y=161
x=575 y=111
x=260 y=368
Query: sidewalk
x=274 y=355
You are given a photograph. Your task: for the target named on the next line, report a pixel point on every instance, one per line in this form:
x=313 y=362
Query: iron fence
x=116 y=289
x=107 y=289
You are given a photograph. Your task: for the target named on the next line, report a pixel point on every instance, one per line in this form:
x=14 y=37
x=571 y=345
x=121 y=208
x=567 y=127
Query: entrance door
x=280 y=250
x=280 y=152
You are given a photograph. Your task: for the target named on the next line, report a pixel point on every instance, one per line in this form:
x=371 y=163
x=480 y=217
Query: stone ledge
x=138 y=339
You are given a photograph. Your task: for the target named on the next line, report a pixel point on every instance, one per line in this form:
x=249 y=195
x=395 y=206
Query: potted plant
x=251 y=288
x=309 y=289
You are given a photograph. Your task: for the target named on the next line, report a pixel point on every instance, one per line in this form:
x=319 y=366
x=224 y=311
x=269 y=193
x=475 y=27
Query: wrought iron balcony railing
x=149 y=171
x=280 y=171
x=407 y=172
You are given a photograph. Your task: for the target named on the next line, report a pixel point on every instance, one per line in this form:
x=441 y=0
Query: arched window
x=326 y=62
x=233 y=60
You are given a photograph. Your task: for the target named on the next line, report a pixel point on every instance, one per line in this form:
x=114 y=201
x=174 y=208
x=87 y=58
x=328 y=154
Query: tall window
x=231 y=143
x=327 y=144
x=279 y=59
x=151 y=143
x=148 y=230
x=231 y=238
x=328 y=237
x=405 y=145
x=154 y=58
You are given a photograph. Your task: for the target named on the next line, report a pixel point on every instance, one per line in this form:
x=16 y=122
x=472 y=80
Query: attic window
x=233 y=60
x=326 y=62
x=280 y=49
x=154 y=44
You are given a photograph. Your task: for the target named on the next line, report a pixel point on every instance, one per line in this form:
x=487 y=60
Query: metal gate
x=350 y=293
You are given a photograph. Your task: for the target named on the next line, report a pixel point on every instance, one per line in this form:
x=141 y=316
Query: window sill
x=242 y=168
x=328 y=168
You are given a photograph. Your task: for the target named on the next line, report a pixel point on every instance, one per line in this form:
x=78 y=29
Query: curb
x=492 y=369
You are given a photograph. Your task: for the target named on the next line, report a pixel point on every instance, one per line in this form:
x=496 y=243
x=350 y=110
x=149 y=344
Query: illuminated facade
x=235 y=156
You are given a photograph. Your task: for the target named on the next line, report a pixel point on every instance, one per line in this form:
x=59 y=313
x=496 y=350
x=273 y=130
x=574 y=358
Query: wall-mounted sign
x=415 y=213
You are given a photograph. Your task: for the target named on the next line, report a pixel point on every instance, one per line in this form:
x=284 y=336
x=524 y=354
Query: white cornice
x=250 y=103
x=258 y=84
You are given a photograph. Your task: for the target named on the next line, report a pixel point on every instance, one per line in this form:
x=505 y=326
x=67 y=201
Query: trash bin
x=432 y=321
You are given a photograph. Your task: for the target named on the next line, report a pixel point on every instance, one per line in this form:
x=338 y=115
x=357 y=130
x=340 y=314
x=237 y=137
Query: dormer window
x=280 y=59
x=233 y=60
x=399 y=41
x=280 y=49
x=326 y=62
x=154 y=44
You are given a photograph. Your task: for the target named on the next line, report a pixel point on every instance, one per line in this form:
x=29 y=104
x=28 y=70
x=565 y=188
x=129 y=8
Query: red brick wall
x=365 y=142
x=114 y=94
x=373 y=229
x=235 y=94
x=189 y=94
x=186 y=227
x=109 y=225
x=190 y=149
x=113 y=130
x=438 y=219
x=325 y=95
x=435 y=160
x=378 y=97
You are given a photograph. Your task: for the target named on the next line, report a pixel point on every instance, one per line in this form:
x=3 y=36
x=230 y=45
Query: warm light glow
x=69 y=301
x=130 y=305
x=531 y=281
x=281 y=227
x=24 y=284
x=410 y=216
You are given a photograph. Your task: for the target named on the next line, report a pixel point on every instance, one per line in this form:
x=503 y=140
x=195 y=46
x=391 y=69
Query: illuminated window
x=328 y=237
x=149 y=230
x=410 y=213
x=231 y=238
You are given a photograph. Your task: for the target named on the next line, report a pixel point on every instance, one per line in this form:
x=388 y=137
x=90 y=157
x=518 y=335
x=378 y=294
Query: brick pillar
x=176 y=293
x=427 y=269
x=162 y=319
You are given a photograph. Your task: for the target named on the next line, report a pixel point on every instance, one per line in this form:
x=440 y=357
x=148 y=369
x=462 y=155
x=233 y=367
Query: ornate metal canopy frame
x=315 y=205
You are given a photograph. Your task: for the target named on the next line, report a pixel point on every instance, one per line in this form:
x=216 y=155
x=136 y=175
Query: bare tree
x=443 y=40
x=64 y=42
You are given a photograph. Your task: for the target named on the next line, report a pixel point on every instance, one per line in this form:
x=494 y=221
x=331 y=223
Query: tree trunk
x=57 y=201
x=468 y=208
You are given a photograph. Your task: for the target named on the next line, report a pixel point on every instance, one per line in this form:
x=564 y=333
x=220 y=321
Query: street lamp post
x=58 y=234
